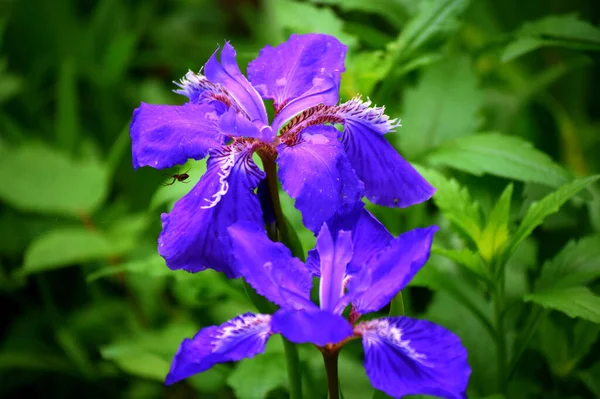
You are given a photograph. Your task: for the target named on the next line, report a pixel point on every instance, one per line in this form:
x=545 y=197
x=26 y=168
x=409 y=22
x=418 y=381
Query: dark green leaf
x=499 y=155
x=548 y=205
x=560 y=30
x=577 y=263
x=574 y=301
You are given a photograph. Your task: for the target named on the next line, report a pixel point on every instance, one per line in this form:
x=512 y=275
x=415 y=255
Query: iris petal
x=302 y=72
x=194 y=235
x=335 y=255
x=227 y=74
x=319 y=327
x=389 y=179
x=316 y=172
x=377 y=282
x=405 y=356
x=241 y=337
x=167 y=135
x=270 y=268
x=369 y=237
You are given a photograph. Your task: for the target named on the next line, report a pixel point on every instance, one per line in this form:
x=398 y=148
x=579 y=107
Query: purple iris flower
x=364 y=267
x=225 y=118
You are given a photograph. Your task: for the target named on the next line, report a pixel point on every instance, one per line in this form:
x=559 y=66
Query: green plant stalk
x=498 y=299
x=331 y=368
x=284 y=235
x=538 y=313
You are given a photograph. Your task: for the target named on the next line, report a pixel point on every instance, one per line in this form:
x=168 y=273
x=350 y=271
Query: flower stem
x=330 y=357
x=284 y=235
x=498 y=300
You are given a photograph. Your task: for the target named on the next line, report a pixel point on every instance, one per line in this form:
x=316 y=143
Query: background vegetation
x=500 y=107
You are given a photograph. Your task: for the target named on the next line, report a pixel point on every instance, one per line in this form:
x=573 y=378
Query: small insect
x=178 y=177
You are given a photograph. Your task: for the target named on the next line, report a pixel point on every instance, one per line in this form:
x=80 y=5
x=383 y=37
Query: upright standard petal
x=270 y=268
x=335 y=255
x=405 y=356
x=167 y=135
x=194 y=235
x=315 y=171
x=241 y=337
x=319 y=327
x=228 y=75
x=383 y=277
x=389 y=180
x=369 y=237
x=302 y=72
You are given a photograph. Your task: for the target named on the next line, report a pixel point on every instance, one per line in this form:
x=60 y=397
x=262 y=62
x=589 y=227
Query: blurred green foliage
x=500 y=111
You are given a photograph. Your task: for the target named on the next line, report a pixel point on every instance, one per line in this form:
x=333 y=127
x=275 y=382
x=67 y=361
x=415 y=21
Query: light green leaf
x=36 y=178
x=66 y=246
x=363 y=71
x=255 y=378
x=463 y=257
x=444 y=105
x=153 y=266
x=454 y=202
x=546 y=206
x=556 y=30
x=495 y=234
x=307 y=18
x=573 y=301
x=499 y=155
x=577 y=263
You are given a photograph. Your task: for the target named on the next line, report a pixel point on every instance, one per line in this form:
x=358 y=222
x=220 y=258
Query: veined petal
x=377 y=282
x=319 y=327
x=305 y=69
x=241 y=337
x=270 y=268
x=227 y=74
x=167 y=135
x=316 y=173
x=405 y=356
x=335 y=255
x=369 y=237
x=199 y=90
x=389 y=179
x=194 y=235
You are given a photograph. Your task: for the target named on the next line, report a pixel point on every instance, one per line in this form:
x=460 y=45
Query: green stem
x=284 y=235
x=534 y=320
x=331 y=368
x=498 y=300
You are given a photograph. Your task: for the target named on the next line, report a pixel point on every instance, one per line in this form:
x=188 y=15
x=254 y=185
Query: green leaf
x=307 y=18
x=363 y=71
x=556 y=30
x=495 y=234
x=255 y=378
x=591 y=379
x=546 y=206
x=36 y=178
x=573 y=301
x=392 y=10
x=577 y=263
x=499 y=155
x=454 y=202
x=66 y=246
x=464 y=257
x=435 y=19
x=67 y=120
x=444 y=105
